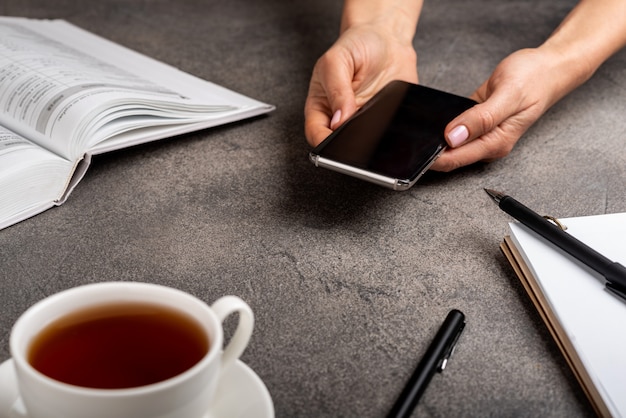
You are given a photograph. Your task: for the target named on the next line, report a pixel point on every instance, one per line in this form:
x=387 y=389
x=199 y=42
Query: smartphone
x=394 y=138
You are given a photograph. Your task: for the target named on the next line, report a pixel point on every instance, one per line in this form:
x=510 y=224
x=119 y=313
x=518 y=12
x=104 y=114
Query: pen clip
x=450 y=349
x=556 y=222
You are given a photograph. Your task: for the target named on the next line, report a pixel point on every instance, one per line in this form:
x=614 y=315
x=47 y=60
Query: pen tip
x=494 y=194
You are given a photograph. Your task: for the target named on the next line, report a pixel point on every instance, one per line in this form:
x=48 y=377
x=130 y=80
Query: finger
x=316 y=124
x=335 y=72
x=480 y=119
x=453 y=158
x=495 y=144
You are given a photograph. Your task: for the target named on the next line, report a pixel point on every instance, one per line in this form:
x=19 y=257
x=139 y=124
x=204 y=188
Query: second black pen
x=434 y=360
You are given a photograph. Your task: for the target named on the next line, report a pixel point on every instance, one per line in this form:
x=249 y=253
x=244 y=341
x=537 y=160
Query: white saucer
x=8 y=387
x=241 y=393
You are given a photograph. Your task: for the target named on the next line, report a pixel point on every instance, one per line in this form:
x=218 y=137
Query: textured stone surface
x=348 y=281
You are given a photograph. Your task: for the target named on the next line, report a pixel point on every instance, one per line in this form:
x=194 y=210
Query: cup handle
x=225 y=306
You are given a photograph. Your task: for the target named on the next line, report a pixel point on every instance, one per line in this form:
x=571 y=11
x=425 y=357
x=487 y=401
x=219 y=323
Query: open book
x=67 y=94
x=587 y=322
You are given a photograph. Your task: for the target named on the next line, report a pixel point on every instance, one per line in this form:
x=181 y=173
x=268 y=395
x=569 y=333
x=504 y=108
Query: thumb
x=478 y=120
x=336 y=82
x=342 y=103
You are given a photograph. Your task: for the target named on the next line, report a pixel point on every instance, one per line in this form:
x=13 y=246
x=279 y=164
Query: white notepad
x=593 y=319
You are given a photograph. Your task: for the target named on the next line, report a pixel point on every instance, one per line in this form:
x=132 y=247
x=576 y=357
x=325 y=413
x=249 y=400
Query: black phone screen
x=397 y=133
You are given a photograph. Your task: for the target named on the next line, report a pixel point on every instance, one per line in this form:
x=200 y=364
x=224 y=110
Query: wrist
x=568 y=68
x=399 y=18
x=588 y=36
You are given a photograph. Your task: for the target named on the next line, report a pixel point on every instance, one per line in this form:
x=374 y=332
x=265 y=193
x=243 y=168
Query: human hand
x=522 y=87
x=360 y=63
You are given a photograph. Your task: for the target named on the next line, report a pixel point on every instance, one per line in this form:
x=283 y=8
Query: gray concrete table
x=348 y=281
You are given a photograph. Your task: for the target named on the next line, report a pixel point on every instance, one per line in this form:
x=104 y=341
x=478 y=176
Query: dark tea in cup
x=120 y=345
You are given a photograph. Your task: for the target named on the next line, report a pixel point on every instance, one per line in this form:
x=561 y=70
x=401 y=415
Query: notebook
x=587 y=322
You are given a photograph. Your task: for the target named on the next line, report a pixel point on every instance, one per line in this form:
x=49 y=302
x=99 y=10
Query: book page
x=11 y=142
x=30 y=177
x=592 y=318
x=55 y=92
x=42 y=81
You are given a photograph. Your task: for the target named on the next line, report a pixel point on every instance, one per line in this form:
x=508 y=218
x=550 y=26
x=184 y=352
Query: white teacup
x=186 y=395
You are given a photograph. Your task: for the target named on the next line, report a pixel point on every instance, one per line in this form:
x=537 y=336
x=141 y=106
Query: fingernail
x=458 y=135
x=335 y=119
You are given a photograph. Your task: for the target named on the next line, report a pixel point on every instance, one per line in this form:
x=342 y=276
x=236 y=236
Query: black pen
x=435 y=359
x=614 y=273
